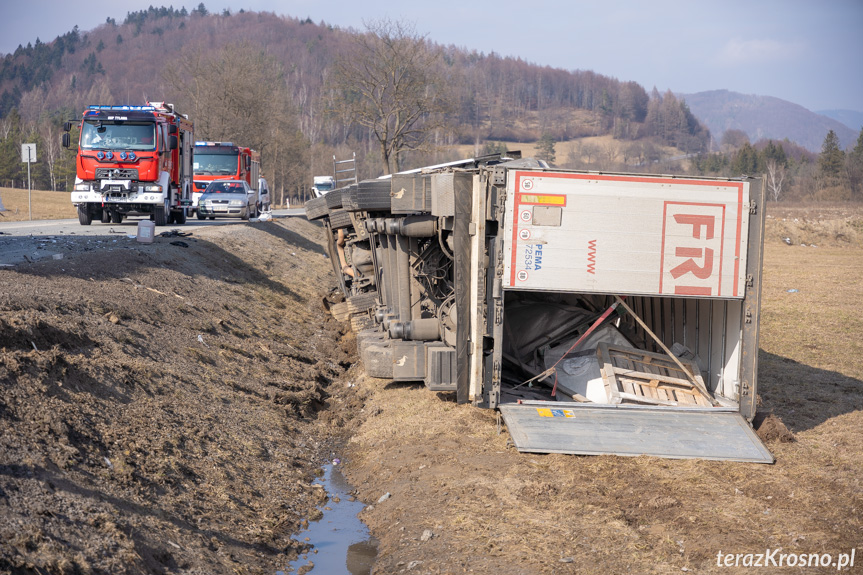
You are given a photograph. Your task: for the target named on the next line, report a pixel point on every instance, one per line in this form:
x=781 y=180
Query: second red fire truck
x=224 y=161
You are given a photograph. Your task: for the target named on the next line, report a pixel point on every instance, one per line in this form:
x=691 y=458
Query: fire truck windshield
x=103 y=135
x=215 y=164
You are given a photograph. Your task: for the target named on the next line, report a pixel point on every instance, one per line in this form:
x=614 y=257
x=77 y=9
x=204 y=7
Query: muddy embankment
x=164 y=408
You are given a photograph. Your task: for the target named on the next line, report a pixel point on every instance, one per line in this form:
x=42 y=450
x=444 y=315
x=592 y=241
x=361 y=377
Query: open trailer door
x=675 y=433
x=685 y=253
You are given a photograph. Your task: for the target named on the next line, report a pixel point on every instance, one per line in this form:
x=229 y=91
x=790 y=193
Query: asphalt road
x=39 y=239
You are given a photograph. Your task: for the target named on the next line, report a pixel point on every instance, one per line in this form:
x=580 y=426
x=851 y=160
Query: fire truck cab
x=224 y=161
x=133 y=160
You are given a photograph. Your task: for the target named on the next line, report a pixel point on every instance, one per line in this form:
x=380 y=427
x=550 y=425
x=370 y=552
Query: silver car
x=227 y=198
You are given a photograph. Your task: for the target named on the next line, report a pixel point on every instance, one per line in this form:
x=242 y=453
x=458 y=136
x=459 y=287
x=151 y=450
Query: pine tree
x=855 y=168
x=832 y=158
x=545 y=148
x=745 y=161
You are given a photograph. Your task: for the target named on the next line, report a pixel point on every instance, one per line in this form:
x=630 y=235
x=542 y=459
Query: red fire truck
x=133 y=160
x=224 y=161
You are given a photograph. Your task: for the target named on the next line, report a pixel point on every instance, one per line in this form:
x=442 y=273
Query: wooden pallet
x=637 y=376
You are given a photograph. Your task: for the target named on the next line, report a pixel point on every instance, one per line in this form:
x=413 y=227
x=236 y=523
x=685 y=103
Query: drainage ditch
x=340 y=543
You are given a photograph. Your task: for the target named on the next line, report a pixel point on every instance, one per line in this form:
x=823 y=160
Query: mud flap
x=669 y=432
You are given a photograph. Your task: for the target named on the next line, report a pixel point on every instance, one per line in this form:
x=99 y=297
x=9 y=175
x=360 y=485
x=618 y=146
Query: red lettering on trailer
x=697 y=227
x=689 y=266
x=591 y=257
x=690 y=245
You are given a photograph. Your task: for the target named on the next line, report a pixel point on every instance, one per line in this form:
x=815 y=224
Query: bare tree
x=589 y=151
x=608 y=154
x=775 y=178
x=391 y=84
x=50 y=137
x=240 y=94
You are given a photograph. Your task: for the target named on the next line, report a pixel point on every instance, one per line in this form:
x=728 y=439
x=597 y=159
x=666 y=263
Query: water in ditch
x=342 y=542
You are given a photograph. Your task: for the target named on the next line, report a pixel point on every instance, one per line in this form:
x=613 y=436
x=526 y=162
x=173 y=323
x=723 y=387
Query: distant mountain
x=851 y=118
x=766 y=117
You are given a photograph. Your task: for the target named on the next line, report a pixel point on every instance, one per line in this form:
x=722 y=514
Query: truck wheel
x=180 y=217
x=317 y=208
x=340 y=219
x=116 y=218
x=373 y=195
x=85 y=218
x=106 y=216
x=160 y=214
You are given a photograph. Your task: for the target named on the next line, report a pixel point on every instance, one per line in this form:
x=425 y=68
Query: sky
x=804 y=51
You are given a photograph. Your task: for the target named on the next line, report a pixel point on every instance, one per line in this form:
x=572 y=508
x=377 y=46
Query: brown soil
x=164 y=409
x=212 y=445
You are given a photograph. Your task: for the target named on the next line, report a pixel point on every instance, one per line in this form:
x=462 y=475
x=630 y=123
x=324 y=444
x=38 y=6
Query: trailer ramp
x=669 y=432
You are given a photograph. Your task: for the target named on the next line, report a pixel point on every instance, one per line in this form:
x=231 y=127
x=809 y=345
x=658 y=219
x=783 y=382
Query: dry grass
x=47 y=205
x=827 y=224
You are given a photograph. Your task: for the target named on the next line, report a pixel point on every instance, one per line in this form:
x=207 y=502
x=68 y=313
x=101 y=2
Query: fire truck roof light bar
x=123 y=108
x=214 y=143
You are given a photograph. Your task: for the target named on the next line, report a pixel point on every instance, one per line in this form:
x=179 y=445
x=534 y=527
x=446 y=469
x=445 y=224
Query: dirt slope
x=160 y=404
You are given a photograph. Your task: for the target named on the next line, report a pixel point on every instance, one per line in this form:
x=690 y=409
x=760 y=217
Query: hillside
x=765 y=117
x=850 y=118
x=159 y=53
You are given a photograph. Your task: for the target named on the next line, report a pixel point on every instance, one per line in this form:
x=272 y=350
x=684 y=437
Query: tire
x=212 y=217
x=334 y=199
x=340 y=219
x=106 y=216
x=85 y=218
x=161 y=213
x=349 y=199
x=374 y=195
x=200 y=215
x=180 y=217
x=247 y=215
x=316 y=208
x=362 y=302
x=116 y=218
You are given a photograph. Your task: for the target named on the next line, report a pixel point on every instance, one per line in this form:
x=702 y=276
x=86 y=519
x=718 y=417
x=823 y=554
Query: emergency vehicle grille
x=116 y=173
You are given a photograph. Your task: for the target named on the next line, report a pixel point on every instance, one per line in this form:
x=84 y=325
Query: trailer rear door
x=676 y=433
x=626 y=234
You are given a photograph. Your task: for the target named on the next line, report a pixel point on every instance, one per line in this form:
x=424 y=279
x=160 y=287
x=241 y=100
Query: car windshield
x=100 y=135
x=215 y=164
x=226 y=188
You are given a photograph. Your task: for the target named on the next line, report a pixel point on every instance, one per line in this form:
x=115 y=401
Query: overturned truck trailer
x=599 y=312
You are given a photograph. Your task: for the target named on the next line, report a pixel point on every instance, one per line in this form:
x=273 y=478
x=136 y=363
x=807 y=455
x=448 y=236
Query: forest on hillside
x=303 y=92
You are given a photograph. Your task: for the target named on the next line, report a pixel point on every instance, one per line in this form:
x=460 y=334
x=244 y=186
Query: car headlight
x=152 y=188
x=237 y=202
x=82 y=187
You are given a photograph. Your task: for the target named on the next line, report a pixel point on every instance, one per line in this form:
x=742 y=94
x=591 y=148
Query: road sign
x=28 y=153
x=28 y=156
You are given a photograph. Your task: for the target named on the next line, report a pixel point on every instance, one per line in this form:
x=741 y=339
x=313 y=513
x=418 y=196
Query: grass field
x=46 y=205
